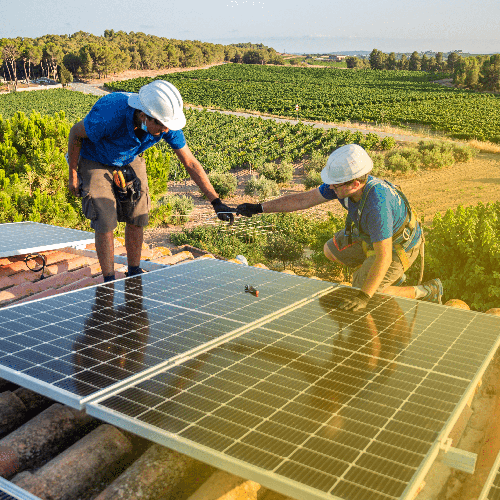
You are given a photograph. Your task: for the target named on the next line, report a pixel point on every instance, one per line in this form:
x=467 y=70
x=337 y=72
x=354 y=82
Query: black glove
x=249 y=209
x=359 y=301
x=222 y=211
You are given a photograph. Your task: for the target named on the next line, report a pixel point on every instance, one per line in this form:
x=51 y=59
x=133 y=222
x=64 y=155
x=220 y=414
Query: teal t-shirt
x=383 y=214
x=110 y=129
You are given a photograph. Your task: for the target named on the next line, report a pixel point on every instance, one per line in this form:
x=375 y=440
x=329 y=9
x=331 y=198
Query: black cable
x=32 y=257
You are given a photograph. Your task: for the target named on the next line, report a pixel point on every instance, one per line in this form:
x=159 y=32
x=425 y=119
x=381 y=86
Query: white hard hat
x=161 y=100
x=345 y=164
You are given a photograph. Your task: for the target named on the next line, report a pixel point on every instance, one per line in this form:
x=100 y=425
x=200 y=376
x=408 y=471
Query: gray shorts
x=98 y=198
x=353 y=256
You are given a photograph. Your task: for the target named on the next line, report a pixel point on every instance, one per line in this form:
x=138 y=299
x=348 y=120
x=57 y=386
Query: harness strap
x=405 y=233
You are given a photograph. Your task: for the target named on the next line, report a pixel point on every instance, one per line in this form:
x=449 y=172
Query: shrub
x=160 y=215
x=313 y=179
x=171 y=209
x=463 y=152
x=388 y=143
x=315 y=164
x=158 y=168
x=283 y=249
x=463 y=249
x=262 y=188
x=378 y=162
x=369 y=141
x=397 y=162
x=281 y=174
x=223 y=183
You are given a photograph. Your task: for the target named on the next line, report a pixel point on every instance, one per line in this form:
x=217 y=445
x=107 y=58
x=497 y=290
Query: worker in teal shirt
x=107 y=171
x=382 y=237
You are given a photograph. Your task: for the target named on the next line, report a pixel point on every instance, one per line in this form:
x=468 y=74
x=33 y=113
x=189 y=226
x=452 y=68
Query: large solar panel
x=20 y=238
x=491 y=489
x=71 y=347
x=316 y=403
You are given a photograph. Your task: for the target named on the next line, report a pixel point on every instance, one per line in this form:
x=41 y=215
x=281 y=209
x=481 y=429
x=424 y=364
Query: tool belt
x=127 y=190
x=401 y=239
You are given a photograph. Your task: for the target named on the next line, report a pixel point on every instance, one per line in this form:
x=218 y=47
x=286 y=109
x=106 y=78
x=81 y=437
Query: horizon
x=284 y=25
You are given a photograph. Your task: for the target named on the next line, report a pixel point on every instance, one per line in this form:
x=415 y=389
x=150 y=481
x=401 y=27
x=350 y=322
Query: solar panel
x=317 y=403
x=10 y=491
x=491 y=489
x=71 y=347
x=20 y=238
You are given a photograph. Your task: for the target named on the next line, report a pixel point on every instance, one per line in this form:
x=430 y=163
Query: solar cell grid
x=72 y=346
x=319 y=402
x=21 y=238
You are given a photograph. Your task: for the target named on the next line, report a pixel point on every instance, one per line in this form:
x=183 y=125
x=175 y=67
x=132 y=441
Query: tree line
x=84 y=54
x=392 y=61
x=481 y=72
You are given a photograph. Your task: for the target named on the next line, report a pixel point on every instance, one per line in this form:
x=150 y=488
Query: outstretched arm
x=196 y=172
x=294 y=202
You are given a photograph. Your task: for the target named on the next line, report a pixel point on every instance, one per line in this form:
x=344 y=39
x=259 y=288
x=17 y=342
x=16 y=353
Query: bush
x=224 y=183
x=378 y=162
x=262 y=188
x=283 y=249
x=281 y=174
x=171 y=209
x=316 y=163
x=160 y=215
x=388 y=143
x=369 y=141
x=397 y=162
x=158 y=168
x=463 y=249
x=313 y=180
x=433 y=158
x=463 y=152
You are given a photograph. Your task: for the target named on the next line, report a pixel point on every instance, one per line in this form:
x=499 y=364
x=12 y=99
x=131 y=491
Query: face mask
x=144 y=126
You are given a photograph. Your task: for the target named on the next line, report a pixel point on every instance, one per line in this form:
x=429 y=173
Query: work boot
x=134 y=271
x=435 y=291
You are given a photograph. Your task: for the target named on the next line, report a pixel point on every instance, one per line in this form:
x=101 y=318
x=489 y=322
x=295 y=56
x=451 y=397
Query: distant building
x=337 y=58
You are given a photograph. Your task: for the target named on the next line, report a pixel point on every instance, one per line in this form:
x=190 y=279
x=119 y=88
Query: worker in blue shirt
x=107 y=170
x=382 y=237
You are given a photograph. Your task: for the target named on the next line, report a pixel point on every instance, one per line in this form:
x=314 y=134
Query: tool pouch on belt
x=127 y=189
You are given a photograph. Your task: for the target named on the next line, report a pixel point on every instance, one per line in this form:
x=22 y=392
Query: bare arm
x=196 y=172
x=76 y=136
x=383 y=259
x=294 y=202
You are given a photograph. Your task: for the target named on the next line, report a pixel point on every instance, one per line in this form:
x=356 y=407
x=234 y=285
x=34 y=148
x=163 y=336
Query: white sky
x=315 y=25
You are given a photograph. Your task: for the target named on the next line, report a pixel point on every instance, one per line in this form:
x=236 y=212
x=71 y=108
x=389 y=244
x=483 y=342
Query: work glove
x=249 y=209
x=223 y=212
x=359 y=301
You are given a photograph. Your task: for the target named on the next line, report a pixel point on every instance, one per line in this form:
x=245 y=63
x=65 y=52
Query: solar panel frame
x=10 y=491
x=20 y=238
x=491 y=488
x=214 y=455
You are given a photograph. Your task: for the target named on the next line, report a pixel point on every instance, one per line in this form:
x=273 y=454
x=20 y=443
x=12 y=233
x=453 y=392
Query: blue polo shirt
x=383 y=214
x=110 y=129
